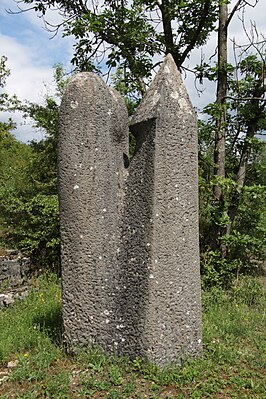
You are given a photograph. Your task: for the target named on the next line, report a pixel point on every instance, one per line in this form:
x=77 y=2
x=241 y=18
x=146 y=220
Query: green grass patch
x=34 y=322
x=233 y=364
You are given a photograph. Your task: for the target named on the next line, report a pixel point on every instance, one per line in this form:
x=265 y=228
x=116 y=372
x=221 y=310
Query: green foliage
x=34 y=224
x=14 y=156
x=6 y=102
x=130 y=36
x=28 y=175
x=43 y=169
x=43 y=166
x=238 y=220
x=14 y=159
x=245 y=245
x=4 y=71
x=134 y=33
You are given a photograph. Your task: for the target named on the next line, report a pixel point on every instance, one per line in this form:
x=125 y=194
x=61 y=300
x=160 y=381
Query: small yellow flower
x=26 y=354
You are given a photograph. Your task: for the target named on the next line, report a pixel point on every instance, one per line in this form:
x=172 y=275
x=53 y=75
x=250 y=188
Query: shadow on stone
x=135 y=253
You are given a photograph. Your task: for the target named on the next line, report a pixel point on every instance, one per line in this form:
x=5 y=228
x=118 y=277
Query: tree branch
x=196 y=33
x=232 y=13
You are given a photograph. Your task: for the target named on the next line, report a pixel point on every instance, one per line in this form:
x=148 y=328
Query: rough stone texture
x=93 y=147
x=9 y=296
x=160 y=304
x=14 y=269
x=130 y=251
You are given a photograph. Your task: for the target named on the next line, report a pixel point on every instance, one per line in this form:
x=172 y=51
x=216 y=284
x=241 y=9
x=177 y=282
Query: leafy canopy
x=131 y=34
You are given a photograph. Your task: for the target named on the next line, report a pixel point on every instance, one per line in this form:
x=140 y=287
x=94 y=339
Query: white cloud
x=31 y=55
x=24 y=131
x=26 y=77
x=26 y=81
x=36 y=23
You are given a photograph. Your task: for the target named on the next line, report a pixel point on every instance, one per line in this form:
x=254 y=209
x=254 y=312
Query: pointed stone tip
x=166 y=88
x=169 y=58
x=168 y=66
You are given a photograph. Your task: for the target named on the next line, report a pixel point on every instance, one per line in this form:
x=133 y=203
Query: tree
x=14 y=156
x=43 y=170
x=219 y=148
x=240 y=216
x=29 y=208
x=131 y=34
x=221 y=104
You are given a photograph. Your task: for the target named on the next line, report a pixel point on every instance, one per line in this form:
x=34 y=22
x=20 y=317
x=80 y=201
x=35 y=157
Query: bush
x=34 y=227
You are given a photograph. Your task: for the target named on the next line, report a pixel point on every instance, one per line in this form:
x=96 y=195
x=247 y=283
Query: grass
x=233 y=364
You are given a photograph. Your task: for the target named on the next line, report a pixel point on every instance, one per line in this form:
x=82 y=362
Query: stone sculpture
x=130 y=247
x=93 y=138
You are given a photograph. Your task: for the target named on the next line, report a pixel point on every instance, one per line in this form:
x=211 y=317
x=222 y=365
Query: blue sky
x=32 y=53
x=31 y=56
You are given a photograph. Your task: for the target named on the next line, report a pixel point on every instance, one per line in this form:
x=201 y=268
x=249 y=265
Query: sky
x=32 y=53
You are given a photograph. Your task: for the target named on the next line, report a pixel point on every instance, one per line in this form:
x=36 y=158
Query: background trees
x=132 y=38
x=233 y=237
x=131 y=35
x=28 y=177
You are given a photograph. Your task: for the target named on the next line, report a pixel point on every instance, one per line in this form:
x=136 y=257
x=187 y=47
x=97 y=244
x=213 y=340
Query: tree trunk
x=252 y=128
x=243 y=164
x=220 y=131
x=251 y=131
x=168 y=31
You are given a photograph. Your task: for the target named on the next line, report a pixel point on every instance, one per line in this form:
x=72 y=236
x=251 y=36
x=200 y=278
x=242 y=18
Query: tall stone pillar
x=93 y=144
x=160 y=302
x=130 y=240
